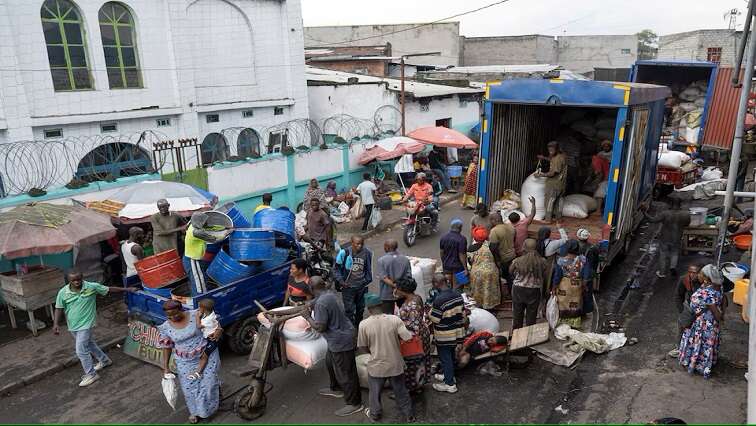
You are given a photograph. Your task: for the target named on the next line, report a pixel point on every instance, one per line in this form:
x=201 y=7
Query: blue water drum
x=280 y=220
x=252 y=244
x=233 y=211
x=225 y=270
x=280 y=255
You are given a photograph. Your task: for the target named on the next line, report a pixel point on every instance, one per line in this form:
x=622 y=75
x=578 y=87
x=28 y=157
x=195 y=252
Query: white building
x=78 y=78
x=349 y=105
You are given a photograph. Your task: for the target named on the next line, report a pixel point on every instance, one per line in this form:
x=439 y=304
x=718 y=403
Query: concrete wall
x=694 y=45
x=527 y=49
x=443 y=37
x=368 y=67
x=583 y=53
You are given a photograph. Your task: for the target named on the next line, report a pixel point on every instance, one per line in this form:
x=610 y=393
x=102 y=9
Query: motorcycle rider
x=422 y=191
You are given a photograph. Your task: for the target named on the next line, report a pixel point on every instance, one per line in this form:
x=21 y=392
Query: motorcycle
x=320 y=262
x=418 y=222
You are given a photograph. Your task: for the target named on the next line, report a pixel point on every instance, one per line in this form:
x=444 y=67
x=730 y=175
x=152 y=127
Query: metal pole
x=752 y=331
x=402 y=94
x=737 y=143
x=742 y=45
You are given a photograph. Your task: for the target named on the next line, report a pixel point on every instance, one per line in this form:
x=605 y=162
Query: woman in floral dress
x=485 y=286
x=699 y=346
x=412 y=312
x=181 y=335
x=469 y=198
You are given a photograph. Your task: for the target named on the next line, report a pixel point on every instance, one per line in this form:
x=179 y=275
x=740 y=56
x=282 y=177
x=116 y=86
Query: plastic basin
x=454 y=171
x=161 y=269
x=252 y=244
x=742 y=242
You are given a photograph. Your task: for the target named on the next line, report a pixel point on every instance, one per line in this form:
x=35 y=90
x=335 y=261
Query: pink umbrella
x=442 y=137
x=390 y=148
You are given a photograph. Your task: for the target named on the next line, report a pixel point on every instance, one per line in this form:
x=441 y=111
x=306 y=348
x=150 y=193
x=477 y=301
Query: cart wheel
x=243 y=336
x=251 y=404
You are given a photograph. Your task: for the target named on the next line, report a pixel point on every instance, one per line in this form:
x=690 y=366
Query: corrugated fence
x=720 y=125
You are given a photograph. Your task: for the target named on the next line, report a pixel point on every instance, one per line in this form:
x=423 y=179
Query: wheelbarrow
x=268 y=353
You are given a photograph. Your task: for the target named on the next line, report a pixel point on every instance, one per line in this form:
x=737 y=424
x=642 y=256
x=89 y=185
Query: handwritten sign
x=142 y=343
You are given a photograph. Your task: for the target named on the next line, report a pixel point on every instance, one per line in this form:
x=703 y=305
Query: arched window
x=119 y=45
x=117 y=159
x=66 y=45
x=248 y=143
x=214 y=148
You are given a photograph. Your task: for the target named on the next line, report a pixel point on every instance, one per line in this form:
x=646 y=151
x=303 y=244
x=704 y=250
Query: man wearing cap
x=166 y=227
x=379 y=336
x=556 y=180
x=422 y=191
x=454 y=252
x=590 y=251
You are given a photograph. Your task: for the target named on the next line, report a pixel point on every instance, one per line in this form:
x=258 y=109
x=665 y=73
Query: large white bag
x=296 y=328
x=375 y=217
x=578 y=206
x=601 y=190
x=534 y=187
x=552 y=312
x=306 y=353
x=711 y=173
x=672 y=159
x=170 y=389
x=481 y=319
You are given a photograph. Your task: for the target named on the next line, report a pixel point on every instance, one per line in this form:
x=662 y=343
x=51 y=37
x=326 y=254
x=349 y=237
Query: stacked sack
x=304 y=346
x=687 y=111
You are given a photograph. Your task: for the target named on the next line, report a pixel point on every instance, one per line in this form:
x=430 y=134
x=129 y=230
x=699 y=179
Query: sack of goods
x=687 y=111
x=570 y=297
x=534 y=187
x=423 y=270
x=578 y=206
x=673 y=159
x=481 y=319
x=304 y=346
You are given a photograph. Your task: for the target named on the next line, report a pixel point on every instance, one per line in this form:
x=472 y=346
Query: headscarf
x=407 y=285
x=331 y=189
x=544 y=235
x=531 y=262
x=713 y=274
x=583 y=234
x=479 y=234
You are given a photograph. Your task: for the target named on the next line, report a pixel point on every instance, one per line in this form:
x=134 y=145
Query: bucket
x=698 y=216
x=225 y=270
x=252 y=244
x=742 y=242
x=733 y=272
x=280 y=220
x=161 y=269
x=740 y=295
x=236 y=216
x=454 y=171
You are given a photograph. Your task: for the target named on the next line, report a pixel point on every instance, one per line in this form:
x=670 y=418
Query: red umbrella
x=443 y=137
x=40 y=228
x=390 y=148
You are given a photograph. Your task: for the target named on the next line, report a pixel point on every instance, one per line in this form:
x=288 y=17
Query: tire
x=250 y=405
x=243 y=335
x=410 y=235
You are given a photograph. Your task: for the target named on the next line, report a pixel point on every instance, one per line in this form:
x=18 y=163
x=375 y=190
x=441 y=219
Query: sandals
x=194 y=376
x=193 y=419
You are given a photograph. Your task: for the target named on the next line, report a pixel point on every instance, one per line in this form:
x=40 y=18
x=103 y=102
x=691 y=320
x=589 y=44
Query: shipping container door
x=633 y=160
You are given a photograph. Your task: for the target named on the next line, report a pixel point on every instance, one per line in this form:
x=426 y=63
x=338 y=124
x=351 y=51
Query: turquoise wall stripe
x=291 y=187
x=345 y=166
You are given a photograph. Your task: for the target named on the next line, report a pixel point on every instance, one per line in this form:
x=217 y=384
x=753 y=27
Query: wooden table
x=700 y=238
x=36 y=289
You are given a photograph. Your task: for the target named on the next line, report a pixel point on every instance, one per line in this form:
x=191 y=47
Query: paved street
x=633 y=384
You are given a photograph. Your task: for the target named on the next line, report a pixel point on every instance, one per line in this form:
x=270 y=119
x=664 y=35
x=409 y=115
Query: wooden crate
x=30 y=303
x=39 y=279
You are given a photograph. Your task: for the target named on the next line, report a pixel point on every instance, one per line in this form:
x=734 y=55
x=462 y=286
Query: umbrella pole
x=402 y=182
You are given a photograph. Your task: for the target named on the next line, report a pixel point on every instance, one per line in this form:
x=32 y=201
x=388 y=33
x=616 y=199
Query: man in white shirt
x=367 y=189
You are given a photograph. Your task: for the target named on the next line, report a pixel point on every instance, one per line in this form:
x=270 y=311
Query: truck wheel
x=409 y=235
x=251 y=404
x=243 y=336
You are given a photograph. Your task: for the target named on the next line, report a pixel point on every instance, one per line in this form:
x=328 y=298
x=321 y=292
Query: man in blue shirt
x=454 y=252
x=354 y=269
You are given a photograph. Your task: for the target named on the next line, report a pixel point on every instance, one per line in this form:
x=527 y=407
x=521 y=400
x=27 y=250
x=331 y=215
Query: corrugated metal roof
x=720 y=124
x=677 y=62
x=416 y=89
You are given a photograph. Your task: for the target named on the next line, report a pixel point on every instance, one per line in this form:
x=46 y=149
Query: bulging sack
x=534 y=187
x=481 y=319
x=170 y=389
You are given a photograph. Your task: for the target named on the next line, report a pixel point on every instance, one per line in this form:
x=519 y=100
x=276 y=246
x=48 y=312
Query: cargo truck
x=522 y=116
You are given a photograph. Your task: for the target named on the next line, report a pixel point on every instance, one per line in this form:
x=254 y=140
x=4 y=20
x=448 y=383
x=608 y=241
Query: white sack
x=711 y=173
x=578 y=206
x=601 y=190
x=670 y=159
x=534 y=187
x=170 y=389
x=481 y=319
x=306 y=353
x=552 y=312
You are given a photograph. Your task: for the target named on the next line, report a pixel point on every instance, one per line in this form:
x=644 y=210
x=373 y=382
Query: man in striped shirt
x=448 y=318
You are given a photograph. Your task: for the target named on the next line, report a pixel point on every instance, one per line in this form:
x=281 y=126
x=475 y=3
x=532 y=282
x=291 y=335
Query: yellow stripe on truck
x=627 y=91
x=621 y=136
x=485 y=125
x=482 y=164
x=616 y=175
x=609 y=218
x=557 y=80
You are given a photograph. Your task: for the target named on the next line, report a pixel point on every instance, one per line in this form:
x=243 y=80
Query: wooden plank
x=36 y=281
x=32 y=302
x=529 y=336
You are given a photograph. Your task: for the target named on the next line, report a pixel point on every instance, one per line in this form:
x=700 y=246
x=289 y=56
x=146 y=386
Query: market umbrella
x=442 y=137
x=390 y=148
x=38 y=229
x=137 y=202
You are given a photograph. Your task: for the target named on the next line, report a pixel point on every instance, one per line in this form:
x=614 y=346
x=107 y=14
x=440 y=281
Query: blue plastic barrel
x=280 y=220
x=280 y=255
x=240 y=221
x=225 y=270
x=454 y=171
x=252 y=244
